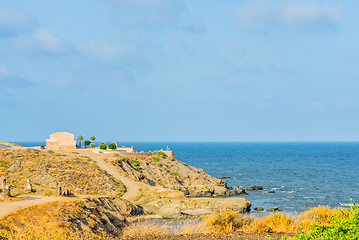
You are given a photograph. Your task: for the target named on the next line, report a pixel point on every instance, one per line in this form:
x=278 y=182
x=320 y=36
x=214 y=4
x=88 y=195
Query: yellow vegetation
x=228 y=220
x=142 y=229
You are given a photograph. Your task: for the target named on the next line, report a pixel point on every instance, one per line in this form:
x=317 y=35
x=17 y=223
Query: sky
x=177 y=70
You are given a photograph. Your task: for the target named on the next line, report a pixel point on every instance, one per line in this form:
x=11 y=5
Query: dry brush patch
x=48 y=169
x=227 y=220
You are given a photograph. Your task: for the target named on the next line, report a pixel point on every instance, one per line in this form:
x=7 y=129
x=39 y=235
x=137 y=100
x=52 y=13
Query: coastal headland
x=91 y=189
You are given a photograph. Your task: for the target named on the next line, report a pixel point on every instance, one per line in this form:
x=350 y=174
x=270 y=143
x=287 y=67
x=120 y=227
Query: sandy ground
x=7 y=207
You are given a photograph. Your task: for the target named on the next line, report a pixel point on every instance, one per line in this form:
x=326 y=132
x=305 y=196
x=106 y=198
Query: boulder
x=221 y=191
x=238 y=191
x=254 y=188
x=258 y=209
x=169 y=212
x=274 y=209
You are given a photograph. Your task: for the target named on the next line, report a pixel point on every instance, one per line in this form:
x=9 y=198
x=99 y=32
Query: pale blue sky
x=160 y=70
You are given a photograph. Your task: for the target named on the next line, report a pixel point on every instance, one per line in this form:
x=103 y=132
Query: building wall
x=61 y=140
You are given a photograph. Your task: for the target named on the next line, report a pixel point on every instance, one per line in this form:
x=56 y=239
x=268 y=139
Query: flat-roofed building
x=61 y=140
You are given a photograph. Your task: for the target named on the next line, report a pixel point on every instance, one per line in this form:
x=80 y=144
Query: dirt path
x=132 y=188
x=7 y=207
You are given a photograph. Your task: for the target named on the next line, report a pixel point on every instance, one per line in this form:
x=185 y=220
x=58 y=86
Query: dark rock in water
x=224 y=177
x=275 y=209
x=258 y=209
x=271 y=192
x=238 y=191
x=254 y=188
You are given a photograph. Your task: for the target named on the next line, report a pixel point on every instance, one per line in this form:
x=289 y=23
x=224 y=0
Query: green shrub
x=175 y=174
x=92 y=145
x=135 y=163
x=112 y=146
x=156 y=159
x=159 y=153
x=50 y=151
x=160 y=165
x=103 y=146
x=32 y=170
x=344 y=226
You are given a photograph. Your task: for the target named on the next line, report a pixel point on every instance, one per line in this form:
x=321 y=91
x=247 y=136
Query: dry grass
x=192 y=227
x=225 y=220
x=143 y=229
x=228 y=221
x=47 y=169
x=274 y=223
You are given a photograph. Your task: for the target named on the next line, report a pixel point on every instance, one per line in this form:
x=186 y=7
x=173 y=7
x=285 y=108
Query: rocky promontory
x=173 y=174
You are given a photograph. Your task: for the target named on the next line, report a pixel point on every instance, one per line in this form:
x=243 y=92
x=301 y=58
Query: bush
x=92 y=145
x=135 y=163
x=226 y=220
x=112 y=146
x=87 y=143
x=159 y=153
x=103 y=146
x=342 y=226
x=156 y=159
x=175 y=174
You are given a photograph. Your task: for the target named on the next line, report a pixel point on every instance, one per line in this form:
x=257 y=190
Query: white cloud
x=12 y=22
x=264 y=15
x=40 y=40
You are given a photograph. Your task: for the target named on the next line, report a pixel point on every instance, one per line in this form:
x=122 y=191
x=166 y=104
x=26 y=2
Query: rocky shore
x=173 y=174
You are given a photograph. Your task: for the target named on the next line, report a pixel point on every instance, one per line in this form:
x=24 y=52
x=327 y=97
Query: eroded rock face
x=174 y=175
x=103 y=216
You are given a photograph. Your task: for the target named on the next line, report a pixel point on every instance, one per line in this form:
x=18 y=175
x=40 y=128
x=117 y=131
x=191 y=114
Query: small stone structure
x=6 y=191
x=3 y=183
x=28 y=187
x=65 y=192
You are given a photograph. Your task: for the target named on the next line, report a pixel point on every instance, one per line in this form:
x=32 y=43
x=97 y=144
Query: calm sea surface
x=301 y=174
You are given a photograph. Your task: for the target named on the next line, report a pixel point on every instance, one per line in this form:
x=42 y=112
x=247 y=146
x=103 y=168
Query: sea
x=300 y=175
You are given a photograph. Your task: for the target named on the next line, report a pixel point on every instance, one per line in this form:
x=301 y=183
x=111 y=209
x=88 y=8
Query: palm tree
x=92 y=139
x=80 y=138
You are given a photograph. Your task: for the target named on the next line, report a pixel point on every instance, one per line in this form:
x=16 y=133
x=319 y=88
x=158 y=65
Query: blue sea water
x=302 y=174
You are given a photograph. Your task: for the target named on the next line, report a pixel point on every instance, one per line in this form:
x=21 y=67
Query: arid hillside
x=47 y=170
x=95 y=218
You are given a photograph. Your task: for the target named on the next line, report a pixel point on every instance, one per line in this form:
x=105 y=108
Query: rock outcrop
x=172 y=174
